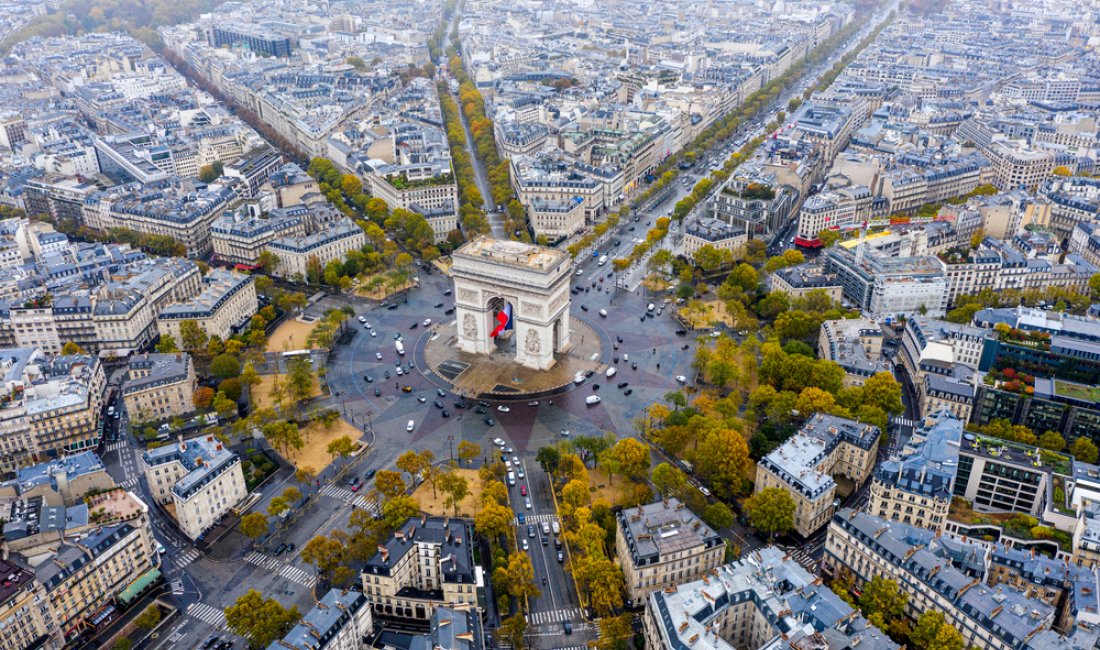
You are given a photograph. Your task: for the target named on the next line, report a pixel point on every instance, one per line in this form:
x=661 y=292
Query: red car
x=523 y=490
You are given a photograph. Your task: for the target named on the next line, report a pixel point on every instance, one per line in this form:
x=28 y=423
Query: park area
x=261 y=392
x=700 y=314
x=291 y=335
x=437 y=505
x=314 y=453
x=378 y=287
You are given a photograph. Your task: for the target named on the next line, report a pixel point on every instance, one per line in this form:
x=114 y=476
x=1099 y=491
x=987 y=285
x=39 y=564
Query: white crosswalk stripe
x=186 y=558
x=129 y=483
x=905 y=422
x=370 y=506
x=115 y=446
x=554 y=616
x=301 y=576
x=210 y=615
x=536 y=519
x=177 y=586
x=259 y=559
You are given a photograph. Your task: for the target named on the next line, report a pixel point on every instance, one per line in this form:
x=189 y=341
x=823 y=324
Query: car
x=210 y=642
x=545 y=540
x=523 y=492
x=595 y=386
x=522 y=518
x=704 y=490
x=504 y=459
x=633 y=365
x=377 y=392
x=498 y=442
x=584 y=307
x=557 y=544
x=368 y=326
x=447 y=292
x=414 y=326
x=619 y=339
x=483 y=403
x=519 y=472
x=628 y=391
x=161 y=550
x=406 y=389
x=439 y=305
x=378 y=355
x=362 y=319
x=527 y=504
x=392 y=307
x=373 y=334
x=566 y=626
x=507 y=450
x=460 y=404
x=490 y=421
x=355 y=487
x=533 y=403
x=682 y=379
x=427 y=322
x=421 y=399
x=410 y=364
x=450 y=310
x=446 y=413
x=368 y=378
x=411 y=425
x=399 y=371
x=369 y=475
x=386 y=374
x=515 y=460
x=580 y=272
x=437 y=404
x=545 y=528
x=503 y=409
x=564 y=433
x=440 y=392
x=280 y=549
x=480 y=410
x=397 y=336
x=623 y=384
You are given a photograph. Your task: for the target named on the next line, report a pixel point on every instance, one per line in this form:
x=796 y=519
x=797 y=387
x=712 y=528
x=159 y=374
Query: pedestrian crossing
x=554 y=616
x=116 y=446
x=259 y=559
x=350 y=498
x=186 y=558
x=128 y=483
x=536 y=519
x=370 y=505
x=177 y=586
x=903 y=422
x=299 y=575
x=212 y=616
x=803 y=558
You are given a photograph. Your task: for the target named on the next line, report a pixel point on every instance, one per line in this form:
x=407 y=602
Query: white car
x=373 y=334
x=503 y=409
x=525 y=546
x=410 y=426
x=527 y=503
x=498 y=442
x=580 y=271
x=515 y=460
x=378 y=355
x=682 y=379
x=362 y=319
x=427 y=322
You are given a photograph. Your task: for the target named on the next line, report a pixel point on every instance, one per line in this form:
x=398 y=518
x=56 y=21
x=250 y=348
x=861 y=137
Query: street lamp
x=450 y=445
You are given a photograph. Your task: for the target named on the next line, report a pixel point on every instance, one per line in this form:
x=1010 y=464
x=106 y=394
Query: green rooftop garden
x=1077 y=391
x=402 y=182
x=752 y=192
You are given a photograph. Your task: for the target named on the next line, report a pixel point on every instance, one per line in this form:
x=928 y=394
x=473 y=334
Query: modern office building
x=664 y=544
x=251 y=37
x=805 y=466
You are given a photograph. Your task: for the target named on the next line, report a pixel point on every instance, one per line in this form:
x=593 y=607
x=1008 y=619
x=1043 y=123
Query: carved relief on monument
x=533 y=344
x=469 y=326
x=469 y=295
x=558 y=302
x=531 y=309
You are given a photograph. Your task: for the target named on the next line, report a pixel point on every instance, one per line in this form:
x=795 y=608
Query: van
x=410 y=426
x=556 y=527
x=592 y=400
x=512 y=479
x=610 y=372
x=545 y=528
x=650 y=307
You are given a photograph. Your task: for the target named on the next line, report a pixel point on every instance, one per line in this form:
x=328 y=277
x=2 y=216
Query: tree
x=167 y=344
x=72 y=348
x=1084 y=450
x=605 y=585
x=615 y=633
x=223 y=405
x=1052 y=440
x=771 y=511
x=722 y=458
x=628 y=457
x=512 y=631
x=325 y=554
x=249 y=376
x=468 y=451
x=828 y=237
x=202 y=397
x=123 y=644
x=389 y=484
x=493 y=520
x=882 y=601
x=300 y=379
x=412 y=463
x=718 y=515
x=933 y=633
x=192 y=335
x=225 y=366
x=342 y=447
x=548 y=459
x=398 y=510
x=455 y=487
x=231 y=388
x=709 y=258
x=521 y=577
x=669 y=480
x=260 y=620
x=1094 y=286
x=253 y=525
x=149 y=618
x=883 y=391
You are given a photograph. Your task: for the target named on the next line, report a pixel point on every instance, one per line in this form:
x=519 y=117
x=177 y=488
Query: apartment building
x=704 y=231
x=664 y=544
x=290 y=184
x=83 y=577
x=332 y=243
x=25 y=617
x=855 y=345
x=254 y=172
x=907 y=187
x=765 y=600
x=159 y=386
x=60 y=482
x=420 y=188
x=757 y=204
x=239 y=237
x=341 y=620
x=556 y=219
x=552 y=180
x=951 y=576
x=226 y=302
x=799 y=281
x=428 y=563
x=915 y=485
x=199 y=478
x=846 y=207
x=947 y=351
x=805 y=466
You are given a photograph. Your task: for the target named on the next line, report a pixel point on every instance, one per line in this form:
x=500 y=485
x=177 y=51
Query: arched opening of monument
x=557 y=336
x=502 y=334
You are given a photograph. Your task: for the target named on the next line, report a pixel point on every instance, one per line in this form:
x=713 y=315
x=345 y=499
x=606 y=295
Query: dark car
x=619 y=339
x=447 y=292
x=490 y=421
x=446 y=413
x=437 y=404
x=279 y=549
x=623 y=384
x=210 y=642
x=439 y=305
x=595 y=386
x=561 y=556
x=369 y=475
x=685 y=346
x=628 y=391
x=392 y=307
x=377 y=392
x=681 y=332
x=460 y=404
x=414 y=326
x=567 y=626
x=633 y=365
x=483 y=403
x=481 y=410
x=584 y=307
x=440 y=392
x=386 y=374
x=449 y=311
x=642 y=319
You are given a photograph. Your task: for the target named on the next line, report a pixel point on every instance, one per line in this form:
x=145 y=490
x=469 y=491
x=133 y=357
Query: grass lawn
x=437 y=505
x=1077 y=391
x=315 y=452
x=261 y=392
x=292 y=333
x=604 y=488
x=383 y=290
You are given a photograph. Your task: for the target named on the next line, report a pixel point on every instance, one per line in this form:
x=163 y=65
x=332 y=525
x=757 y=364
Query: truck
x=400 y=348
x=602 y=260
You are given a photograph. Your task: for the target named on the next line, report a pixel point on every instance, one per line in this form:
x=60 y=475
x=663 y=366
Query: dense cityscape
x=324 y=325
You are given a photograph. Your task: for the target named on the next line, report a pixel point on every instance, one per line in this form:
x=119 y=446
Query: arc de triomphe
x=489 y=274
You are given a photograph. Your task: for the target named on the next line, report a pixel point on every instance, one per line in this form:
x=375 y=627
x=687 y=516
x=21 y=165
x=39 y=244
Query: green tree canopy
x=771 y=511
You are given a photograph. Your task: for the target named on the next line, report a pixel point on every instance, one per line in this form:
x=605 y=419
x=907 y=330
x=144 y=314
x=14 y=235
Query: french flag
x=504 y=320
